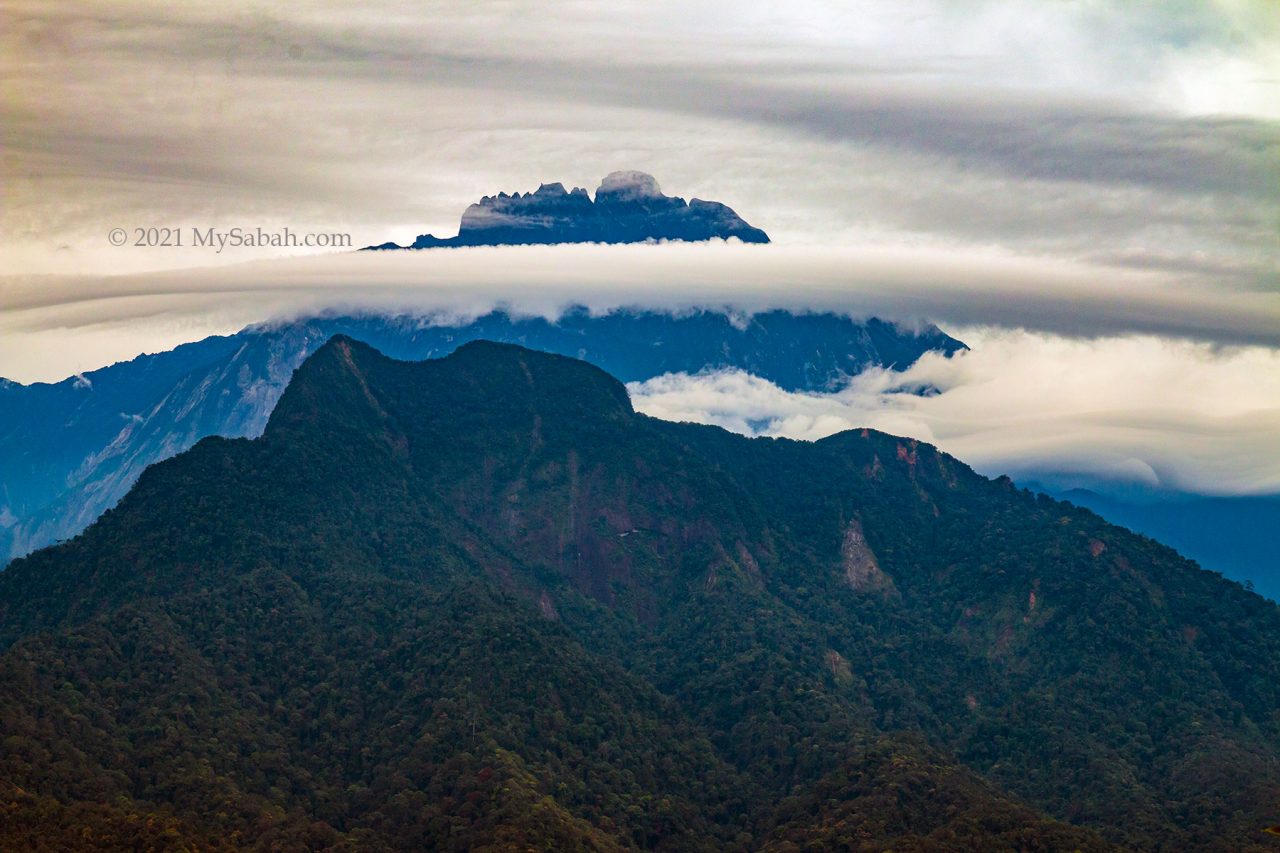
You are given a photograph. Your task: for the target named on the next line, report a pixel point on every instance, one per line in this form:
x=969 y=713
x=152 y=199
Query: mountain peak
x=347 y=385
x=628 y=185
x=332 y=386
x=502 y=374
x=629 y=207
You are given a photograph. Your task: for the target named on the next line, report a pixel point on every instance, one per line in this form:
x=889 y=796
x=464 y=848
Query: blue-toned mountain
x=1232 y=534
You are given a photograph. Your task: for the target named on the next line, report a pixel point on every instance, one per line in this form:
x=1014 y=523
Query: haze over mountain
x=70 y=450
x=480 y=601
x=629 y=207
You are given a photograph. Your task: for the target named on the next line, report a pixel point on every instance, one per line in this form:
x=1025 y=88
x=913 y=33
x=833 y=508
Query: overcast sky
x=1130 y=134
x=1089 y=171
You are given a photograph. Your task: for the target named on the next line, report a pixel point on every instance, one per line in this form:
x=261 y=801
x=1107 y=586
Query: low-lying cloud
x=51 y=327
x=1135 y=410
x=1076 y=374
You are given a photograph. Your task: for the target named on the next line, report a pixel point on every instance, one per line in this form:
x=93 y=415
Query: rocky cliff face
x=629 y=207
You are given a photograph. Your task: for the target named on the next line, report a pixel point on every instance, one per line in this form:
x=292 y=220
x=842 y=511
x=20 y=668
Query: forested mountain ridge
x=478 y=601
x=114 y=422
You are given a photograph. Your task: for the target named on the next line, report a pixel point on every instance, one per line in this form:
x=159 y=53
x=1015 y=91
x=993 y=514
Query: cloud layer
x=1132 y=135
x=1144 y=378
x=51 y=327
x=1132 y=411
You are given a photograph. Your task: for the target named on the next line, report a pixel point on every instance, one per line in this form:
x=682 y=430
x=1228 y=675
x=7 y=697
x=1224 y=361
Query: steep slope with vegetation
x=479 y=603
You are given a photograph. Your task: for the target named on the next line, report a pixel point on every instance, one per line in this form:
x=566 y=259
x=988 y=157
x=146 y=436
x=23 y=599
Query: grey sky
x=1143 y=131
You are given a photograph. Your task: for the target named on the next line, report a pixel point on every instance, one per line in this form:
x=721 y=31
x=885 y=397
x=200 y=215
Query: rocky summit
x=629 y=207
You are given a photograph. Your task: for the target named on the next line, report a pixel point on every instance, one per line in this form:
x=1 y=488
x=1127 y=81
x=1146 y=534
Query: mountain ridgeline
x=629 y=207
x=114 y=422
x=479 y=603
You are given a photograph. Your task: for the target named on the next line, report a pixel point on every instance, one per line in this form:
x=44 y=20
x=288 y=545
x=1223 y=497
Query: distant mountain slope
x=479 y=601
x=1233 y=535
x=629 y=207
x=70 y=450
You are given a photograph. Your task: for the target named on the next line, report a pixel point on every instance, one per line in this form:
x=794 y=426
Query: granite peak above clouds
x=629 y=207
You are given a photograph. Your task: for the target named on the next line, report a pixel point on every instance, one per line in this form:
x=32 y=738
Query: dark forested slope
x=478 y=602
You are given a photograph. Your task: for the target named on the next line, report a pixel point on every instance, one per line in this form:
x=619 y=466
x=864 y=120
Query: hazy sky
x=1098 y=173
x=1135 y=134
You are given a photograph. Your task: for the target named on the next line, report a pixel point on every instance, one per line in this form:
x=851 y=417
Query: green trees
x=480 y=604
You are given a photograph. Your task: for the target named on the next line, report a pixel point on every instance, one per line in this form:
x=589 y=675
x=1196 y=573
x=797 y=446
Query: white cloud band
x=1157 y=414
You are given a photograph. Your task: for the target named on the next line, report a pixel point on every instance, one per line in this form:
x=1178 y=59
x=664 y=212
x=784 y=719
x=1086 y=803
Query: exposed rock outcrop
x=861 y=569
